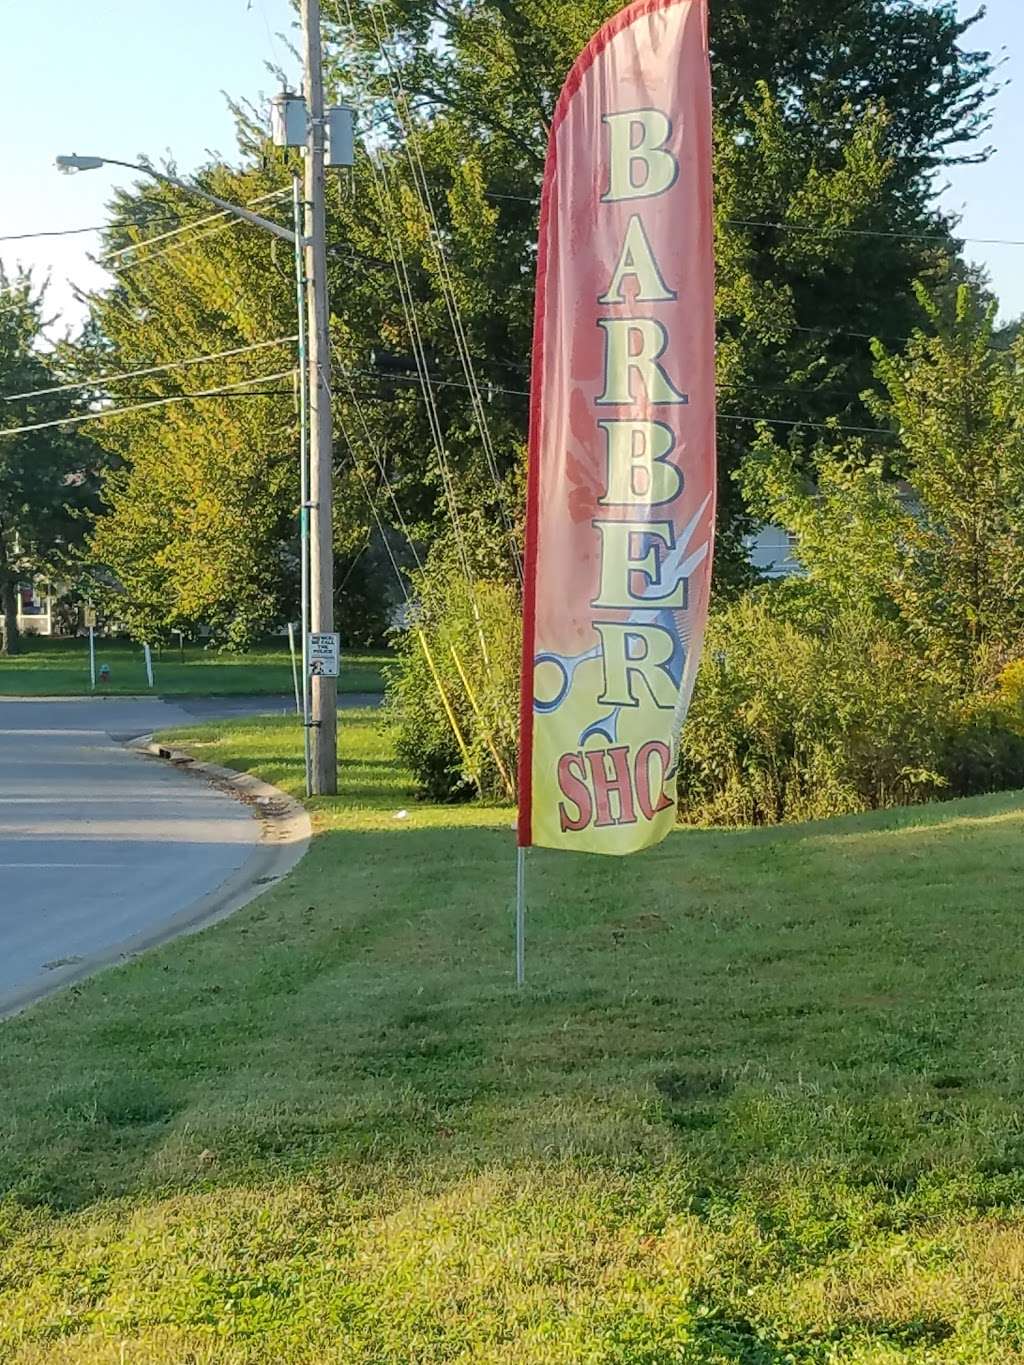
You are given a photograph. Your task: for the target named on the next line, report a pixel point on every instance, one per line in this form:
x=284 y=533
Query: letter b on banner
x=639 y=164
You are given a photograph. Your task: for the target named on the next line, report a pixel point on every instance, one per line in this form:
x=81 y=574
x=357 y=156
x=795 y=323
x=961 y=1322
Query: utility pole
x=324 y=708
x=327 y=136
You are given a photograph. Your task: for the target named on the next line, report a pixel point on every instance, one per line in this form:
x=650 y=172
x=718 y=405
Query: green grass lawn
x=760 y=1103
x=60 y=668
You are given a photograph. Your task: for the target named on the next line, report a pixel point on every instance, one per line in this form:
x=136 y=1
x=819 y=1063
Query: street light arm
x=71 y=163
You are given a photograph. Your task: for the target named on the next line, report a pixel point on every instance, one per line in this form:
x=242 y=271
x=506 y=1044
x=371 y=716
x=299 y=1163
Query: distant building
x=772 y=552
x=35 y=608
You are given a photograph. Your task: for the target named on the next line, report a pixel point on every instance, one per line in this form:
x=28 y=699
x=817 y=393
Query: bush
x=790 y=723
x=1011 y=696
x=983 y=754
x=796 y=716
x=985 y=751
x=461 y=653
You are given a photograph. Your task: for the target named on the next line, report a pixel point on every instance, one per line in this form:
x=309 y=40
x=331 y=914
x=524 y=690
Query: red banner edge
x=580 y=67
x=526 y=689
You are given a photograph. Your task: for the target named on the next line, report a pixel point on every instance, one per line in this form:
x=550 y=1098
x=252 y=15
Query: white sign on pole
x=324 y=654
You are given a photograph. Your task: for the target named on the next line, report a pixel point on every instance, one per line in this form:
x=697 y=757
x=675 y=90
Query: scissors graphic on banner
x=675 y=569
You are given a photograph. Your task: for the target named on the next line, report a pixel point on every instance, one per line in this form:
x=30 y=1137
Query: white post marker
x=520 y=917
x=149 y=663
x=295 y=667
x=90 y=621
x=324 y=654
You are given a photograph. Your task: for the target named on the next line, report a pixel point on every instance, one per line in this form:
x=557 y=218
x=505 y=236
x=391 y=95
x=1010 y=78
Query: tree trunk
x=8 y=603
x=9 y=598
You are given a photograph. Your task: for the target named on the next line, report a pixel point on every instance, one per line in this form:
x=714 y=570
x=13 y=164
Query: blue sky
x=990 y=198
x=125 y=78
x=118 y=78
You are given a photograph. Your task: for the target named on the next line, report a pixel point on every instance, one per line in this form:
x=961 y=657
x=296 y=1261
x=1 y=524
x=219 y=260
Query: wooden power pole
x=324 y=707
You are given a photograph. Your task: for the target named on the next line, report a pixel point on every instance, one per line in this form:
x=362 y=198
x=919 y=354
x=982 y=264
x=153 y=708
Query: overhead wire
x=374 y=447
x=96 y=227
x=826 y=233
x=141 y=407
x=190 y=226
x=472 y=768
x=122 y=267
x=421 y=186
x=97 y=381
x=419 y=356
x=819 y=231
x=722 y=416
x=374 y=508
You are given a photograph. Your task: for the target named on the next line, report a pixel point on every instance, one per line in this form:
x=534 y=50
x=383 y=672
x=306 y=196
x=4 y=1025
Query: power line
x=134 y=222
x=722 y=416
x=800 y=422
x=875 y=232
x=140 y=407
x=840 y=332
x=822 y=232
x=120 y=268
x=96 y=227
x=102 y=379
x=186 y=227
x=421 y=185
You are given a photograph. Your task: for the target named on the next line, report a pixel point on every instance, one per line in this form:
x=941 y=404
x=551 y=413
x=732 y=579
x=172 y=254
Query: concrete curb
x=284 y=840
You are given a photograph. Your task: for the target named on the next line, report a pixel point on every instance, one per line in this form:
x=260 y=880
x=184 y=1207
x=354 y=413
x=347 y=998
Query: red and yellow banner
x=621 y=503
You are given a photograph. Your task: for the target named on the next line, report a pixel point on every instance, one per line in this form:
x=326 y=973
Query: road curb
x=286 y=832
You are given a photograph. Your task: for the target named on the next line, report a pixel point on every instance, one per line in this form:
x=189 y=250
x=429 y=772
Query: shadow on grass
x=727 y=999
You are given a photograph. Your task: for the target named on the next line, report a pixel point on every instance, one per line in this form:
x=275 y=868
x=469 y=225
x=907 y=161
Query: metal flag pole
x=520 y=916
x=300 y=293
x=295 y=667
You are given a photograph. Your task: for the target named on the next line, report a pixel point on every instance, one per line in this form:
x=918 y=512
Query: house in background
x=772 y=552
x=35 y=608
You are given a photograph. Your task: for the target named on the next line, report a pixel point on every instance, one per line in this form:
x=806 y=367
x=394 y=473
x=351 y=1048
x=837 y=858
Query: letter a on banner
x=621 y=501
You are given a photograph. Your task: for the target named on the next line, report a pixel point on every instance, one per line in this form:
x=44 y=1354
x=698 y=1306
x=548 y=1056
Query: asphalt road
x=98 y=844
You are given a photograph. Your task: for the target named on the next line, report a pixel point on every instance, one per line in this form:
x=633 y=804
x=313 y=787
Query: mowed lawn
x=759 y=1103
x=60 y=668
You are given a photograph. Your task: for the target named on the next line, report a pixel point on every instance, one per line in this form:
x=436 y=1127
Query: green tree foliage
x=201 y=504
x=791 y=723
x=49 y=477
x=829 y=121
x=828 y=126
x=815 y=131
x=794 y=720
x=455 y=688
x=932 y=536
x=890 y=671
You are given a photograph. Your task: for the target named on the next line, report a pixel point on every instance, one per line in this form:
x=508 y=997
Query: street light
x=328 y=140
x=68 y=164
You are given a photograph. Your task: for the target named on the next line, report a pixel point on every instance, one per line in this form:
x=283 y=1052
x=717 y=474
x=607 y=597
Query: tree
x=829 y=123
x=931 y=536
x=957 y=405
x=829 y=127
x=201 y=505
x=48 y=478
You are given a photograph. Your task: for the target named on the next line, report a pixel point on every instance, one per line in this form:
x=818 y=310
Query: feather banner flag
x=621 y=497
